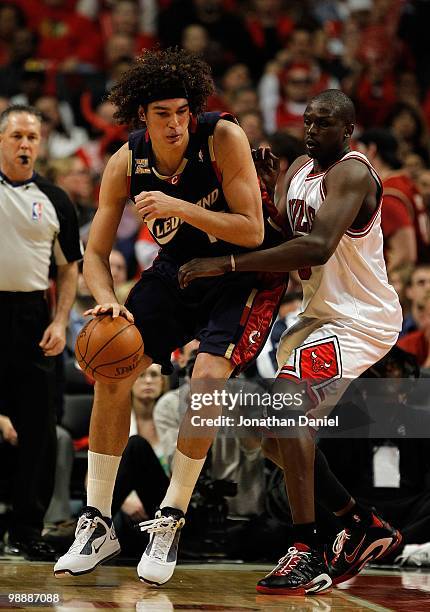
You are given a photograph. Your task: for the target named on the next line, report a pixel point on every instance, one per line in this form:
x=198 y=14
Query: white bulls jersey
x=353 y=283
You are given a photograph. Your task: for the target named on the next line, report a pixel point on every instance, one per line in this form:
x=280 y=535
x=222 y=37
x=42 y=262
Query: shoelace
x=83 y=532
x=158 y=525
x=165 y=527
x=340 y=540
x=286 y=562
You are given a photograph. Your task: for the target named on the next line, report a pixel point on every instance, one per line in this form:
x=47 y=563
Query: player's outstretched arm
x=243 y=225
x=113 y=195
x=347 y=186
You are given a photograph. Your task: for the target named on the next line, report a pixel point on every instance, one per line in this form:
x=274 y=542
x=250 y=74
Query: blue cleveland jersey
x=197 y=180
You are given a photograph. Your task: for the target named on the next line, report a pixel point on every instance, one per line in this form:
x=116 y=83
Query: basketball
x=109 y=349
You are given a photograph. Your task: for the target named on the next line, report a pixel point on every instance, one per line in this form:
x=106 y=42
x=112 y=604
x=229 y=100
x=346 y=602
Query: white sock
x=102 y=470
x=185 y=472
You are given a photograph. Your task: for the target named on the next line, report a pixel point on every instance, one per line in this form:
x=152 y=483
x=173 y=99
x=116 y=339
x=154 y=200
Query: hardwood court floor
x=215 y=588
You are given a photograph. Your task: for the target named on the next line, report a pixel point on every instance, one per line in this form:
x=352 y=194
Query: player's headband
x=166 y=92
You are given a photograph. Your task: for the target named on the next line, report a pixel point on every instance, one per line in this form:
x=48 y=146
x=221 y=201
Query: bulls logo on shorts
x=318 y=363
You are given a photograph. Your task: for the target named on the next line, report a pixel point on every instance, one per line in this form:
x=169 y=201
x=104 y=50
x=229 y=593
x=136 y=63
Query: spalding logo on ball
x=109 y=349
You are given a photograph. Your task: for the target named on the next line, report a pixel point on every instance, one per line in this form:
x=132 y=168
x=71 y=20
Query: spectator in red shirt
x=244 y=100
x=418 y=342
x=407 y=124
x=124 y=19
x=269 y=27
x=423 y=182
x=223 y=26
x=375 y=93
x=296 y=84
x=66 y=39
x=404 y=219
x=251 y=123
x=11 y=19
x=235 y=78
x=416 y=289
x=413 y=165
x=195 y=38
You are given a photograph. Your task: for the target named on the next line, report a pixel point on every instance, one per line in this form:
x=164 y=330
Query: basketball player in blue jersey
x=193 y=181
x=350 y=319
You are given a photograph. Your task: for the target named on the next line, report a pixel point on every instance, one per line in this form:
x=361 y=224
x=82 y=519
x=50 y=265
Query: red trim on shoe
x=296 y=591
x=360 y=564
x=301 y=590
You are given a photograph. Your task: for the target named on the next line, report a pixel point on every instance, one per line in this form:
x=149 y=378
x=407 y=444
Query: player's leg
x=155 y=310
x=327 y=354
x=329 y=491
x=303 y=569
x=236 y=318
x=310 y=356
x=361 y=524
x=95 y=538
x=159 y=559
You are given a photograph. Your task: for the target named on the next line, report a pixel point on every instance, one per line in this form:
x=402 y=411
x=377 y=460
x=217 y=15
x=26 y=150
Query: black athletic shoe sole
x=150 y=583
x=357 y=567
x=317 y=586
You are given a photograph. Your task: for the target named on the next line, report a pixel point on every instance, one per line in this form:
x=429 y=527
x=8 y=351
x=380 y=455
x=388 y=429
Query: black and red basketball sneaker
x=302 y=571
x=354 y=547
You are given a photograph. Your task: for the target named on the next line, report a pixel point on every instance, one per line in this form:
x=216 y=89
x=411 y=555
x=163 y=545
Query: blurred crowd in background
x=268 y=57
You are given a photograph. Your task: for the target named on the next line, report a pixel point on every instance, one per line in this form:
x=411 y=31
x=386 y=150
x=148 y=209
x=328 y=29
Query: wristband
x=233 y=263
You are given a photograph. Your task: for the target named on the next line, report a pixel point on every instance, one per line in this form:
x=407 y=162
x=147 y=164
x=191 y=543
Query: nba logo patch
x=36 y=214
x=142 y=166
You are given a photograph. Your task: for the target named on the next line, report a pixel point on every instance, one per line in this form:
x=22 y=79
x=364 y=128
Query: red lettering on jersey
x=295 y=206
x=302 y=216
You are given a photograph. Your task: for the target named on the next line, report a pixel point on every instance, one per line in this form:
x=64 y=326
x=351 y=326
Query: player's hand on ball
x=198 y=268
x=112 y=307
x=267 y=166
x=156 y=205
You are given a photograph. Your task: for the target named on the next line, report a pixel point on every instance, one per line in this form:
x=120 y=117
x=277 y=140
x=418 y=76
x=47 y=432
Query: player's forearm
x=299 y=253
x=67 y=281
x=229 y=227
x=98 y=278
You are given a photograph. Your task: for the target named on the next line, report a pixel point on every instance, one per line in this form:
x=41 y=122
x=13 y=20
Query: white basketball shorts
x=328 y=356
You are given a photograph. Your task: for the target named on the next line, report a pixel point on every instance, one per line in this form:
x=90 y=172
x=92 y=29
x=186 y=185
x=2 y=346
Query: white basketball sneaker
x=158 y=562
x=95 y=542
x=415 y=555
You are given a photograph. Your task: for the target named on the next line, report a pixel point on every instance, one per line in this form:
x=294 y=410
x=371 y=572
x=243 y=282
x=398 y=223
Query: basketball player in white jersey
x=350 y=319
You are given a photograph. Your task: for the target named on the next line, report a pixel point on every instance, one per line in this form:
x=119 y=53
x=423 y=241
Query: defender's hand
x=156 y=205
x=267 y=166
x=116 y=309
x=198 y=268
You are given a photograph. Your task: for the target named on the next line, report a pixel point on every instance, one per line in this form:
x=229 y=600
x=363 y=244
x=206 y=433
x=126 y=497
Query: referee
x=37 y=225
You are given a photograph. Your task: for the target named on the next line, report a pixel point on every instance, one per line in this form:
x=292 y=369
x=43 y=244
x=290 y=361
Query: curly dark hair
x=161 y=69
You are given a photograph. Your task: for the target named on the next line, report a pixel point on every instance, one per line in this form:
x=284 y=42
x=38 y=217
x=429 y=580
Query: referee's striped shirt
x=38 y=223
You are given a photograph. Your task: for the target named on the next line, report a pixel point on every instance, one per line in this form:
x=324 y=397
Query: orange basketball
x=109 y=349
